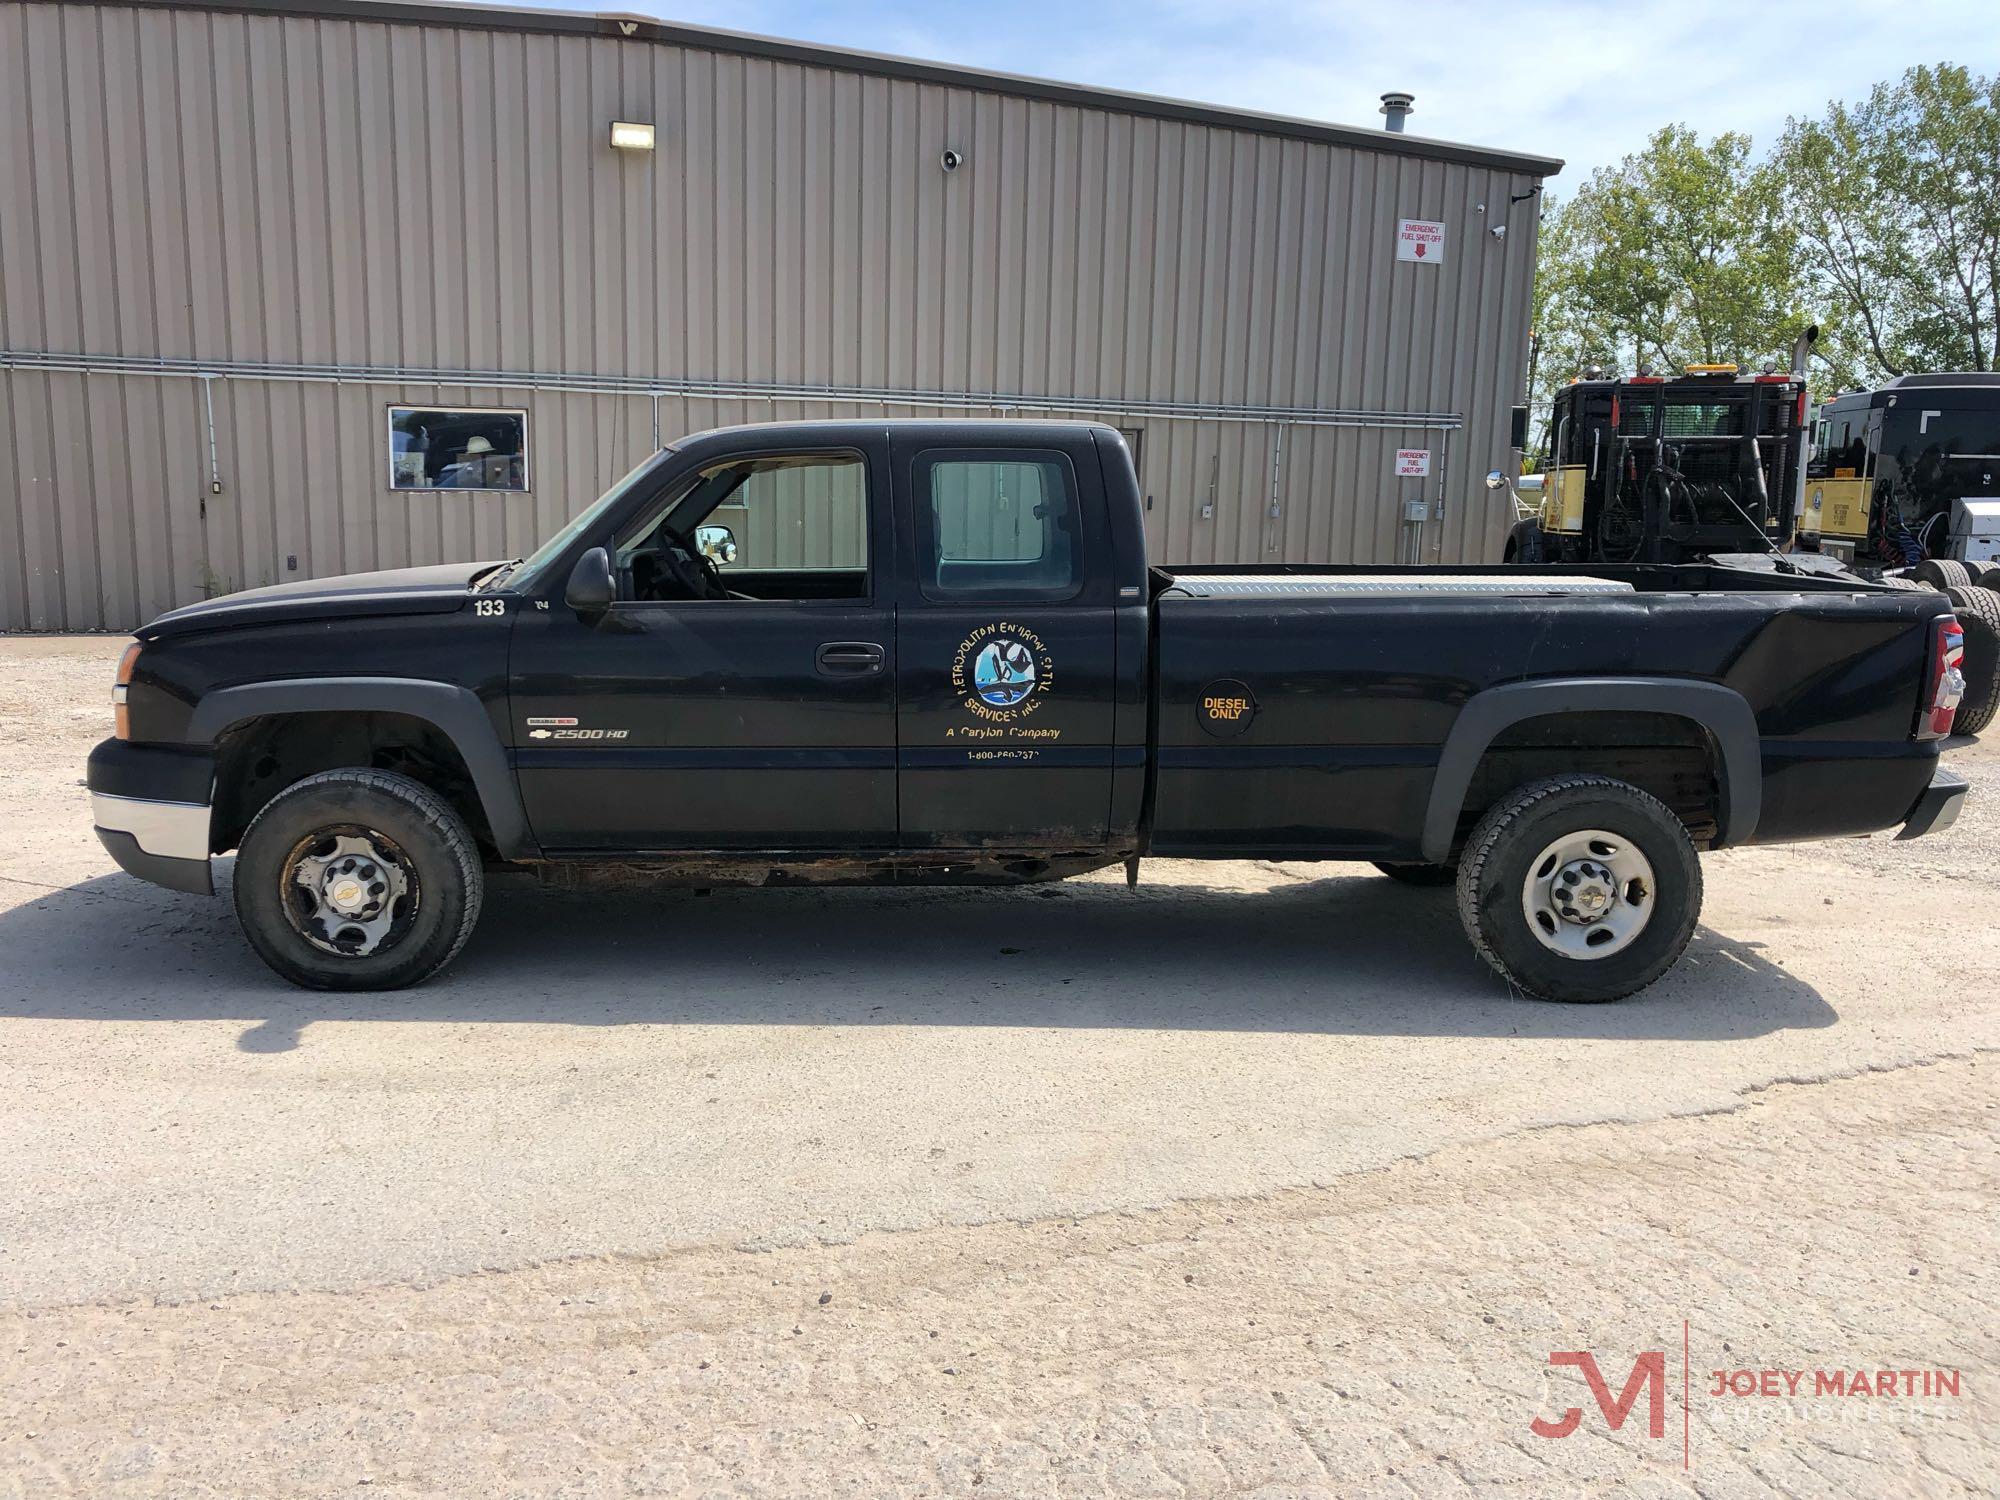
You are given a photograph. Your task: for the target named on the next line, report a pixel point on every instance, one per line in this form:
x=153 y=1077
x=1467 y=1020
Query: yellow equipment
x=1842 y=505
x=1562 y=499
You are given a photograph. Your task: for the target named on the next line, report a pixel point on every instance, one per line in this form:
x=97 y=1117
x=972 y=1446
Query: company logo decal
x=1001 y=674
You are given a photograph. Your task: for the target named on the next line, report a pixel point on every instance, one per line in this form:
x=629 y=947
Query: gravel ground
x=1250 y=1183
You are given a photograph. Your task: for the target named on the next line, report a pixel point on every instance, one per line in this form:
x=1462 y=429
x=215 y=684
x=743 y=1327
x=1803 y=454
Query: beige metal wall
x=213 y=186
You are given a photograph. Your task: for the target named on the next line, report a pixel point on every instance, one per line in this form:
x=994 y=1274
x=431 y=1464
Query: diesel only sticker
x=1226 y=707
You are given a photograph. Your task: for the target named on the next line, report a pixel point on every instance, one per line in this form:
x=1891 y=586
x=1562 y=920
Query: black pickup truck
x=889 y=651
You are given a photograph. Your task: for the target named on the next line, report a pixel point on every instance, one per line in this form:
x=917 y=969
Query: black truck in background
x=898 y=651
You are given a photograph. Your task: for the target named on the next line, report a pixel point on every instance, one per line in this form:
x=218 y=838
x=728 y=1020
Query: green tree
x=1675 y=256
x=1896 y=206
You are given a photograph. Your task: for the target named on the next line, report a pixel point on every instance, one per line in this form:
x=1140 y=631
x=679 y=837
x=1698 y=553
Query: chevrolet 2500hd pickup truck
x=890 y=651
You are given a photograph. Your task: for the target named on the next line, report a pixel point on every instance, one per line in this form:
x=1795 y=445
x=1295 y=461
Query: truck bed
x=1338 y=688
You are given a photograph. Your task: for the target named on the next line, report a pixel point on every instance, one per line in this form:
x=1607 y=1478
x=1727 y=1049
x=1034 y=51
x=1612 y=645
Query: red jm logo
x=1649 y=1371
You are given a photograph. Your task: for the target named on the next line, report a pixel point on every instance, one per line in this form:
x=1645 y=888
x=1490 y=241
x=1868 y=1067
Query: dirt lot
x=1251 y=1182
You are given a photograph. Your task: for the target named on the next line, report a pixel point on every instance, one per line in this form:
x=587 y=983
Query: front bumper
x=1938 y=807
x=150 y=804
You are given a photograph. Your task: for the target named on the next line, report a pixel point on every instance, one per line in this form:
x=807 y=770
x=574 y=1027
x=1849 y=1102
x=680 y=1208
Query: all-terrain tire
x=435 y=855
x=1419 y=874
x=1978 y=612
x=1942 y=573
x=1498 y=867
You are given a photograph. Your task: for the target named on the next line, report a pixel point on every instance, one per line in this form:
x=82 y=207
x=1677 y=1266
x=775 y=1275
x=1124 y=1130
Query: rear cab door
x=1006 y=640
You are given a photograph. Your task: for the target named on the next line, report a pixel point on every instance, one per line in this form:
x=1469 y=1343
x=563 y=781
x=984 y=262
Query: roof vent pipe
x=1396 y=105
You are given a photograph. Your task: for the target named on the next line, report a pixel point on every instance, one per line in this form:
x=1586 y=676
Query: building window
x=457 y=450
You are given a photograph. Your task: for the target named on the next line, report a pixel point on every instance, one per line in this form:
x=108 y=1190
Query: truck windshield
x=528 y=575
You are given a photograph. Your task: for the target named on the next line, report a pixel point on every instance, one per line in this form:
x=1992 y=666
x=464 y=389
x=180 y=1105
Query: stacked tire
x=1978 y=611
x=1942 y=573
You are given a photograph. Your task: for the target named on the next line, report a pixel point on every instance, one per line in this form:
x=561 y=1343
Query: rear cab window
x=998 y=524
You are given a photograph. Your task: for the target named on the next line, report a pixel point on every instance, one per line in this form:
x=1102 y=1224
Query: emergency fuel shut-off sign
x=1420 y=240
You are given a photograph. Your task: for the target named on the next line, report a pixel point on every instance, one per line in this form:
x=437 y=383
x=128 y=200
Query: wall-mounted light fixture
x=627 y=136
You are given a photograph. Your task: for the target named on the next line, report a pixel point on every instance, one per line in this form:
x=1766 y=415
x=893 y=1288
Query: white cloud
x=1585 y=82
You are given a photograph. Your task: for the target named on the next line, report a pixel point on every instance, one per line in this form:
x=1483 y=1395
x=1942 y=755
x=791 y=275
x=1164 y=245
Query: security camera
x=951 y=160
x=1498 y=231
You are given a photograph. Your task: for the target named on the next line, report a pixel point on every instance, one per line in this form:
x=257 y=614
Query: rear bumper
x=150 y=805
x=1938 y=807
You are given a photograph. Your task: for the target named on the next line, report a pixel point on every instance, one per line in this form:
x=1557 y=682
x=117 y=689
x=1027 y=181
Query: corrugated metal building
x=236 y=237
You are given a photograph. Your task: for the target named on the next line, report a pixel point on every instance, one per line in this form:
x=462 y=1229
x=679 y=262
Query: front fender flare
x=1720 y=710
x=454 y=711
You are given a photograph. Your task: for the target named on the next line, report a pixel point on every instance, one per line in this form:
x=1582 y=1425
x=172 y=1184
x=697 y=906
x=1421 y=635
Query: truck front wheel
x=357 y=880
x=1580 y=888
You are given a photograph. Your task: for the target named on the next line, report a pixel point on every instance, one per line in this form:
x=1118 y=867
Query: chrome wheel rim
x=350 y=892
x=1589 y=894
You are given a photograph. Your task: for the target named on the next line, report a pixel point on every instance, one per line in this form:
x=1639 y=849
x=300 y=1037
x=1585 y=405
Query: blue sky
x=1586 y=82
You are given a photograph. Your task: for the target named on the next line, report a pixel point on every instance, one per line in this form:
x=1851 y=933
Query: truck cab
x=900 y=605
x=1910 y=471
x=1656 y=469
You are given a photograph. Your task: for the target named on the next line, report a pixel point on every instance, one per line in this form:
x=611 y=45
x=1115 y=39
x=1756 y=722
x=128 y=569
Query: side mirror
x=1517 y=427
x=591 y=588
x=717 y=543
x=1496 y=481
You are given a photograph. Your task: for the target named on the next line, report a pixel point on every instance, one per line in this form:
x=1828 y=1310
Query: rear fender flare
x=1720 y=710
x=454 y=711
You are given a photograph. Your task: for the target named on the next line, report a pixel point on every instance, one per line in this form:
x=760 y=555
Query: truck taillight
x=1946 y=684
x=121 y=723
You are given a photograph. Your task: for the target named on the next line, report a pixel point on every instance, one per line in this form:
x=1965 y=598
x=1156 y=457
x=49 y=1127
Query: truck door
x=754 y=710
x=1006 y=650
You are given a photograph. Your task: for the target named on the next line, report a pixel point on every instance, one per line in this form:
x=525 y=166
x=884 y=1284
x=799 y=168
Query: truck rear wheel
x=357 y=880
x=1419 y=874
x=1978 y=612
x=1580 y=888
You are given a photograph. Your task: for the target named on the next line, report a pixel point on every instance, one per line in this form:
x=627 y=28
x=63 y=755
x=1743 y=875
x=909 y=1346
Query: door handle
x=848 y=658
